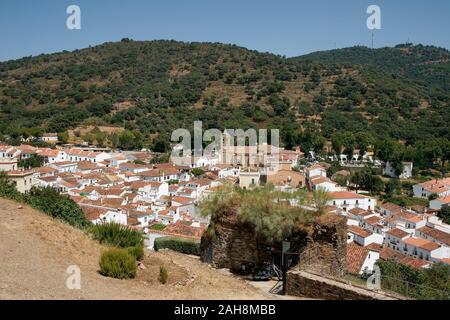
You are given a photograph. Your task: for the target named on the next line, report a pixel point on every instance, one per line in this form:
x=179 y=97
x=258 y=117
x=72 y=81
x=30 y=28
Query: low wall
x=305 y=284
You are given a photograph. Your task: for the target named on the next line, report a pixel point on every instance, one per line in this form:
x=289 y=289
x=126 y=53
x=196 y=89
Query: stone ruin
x=321 y=246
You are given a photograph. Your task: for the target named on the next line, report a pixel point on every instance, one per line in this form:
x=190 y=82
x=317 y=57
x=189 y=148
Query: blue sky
x=286 y=27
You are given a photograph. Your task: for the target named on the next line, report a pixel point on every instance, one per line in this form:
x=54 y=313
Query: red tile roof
x=356 y=255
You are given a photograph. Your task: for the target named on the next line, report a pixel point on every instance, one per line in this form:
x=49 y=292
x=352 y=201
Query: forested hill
x=353 y=97
x=427 y=67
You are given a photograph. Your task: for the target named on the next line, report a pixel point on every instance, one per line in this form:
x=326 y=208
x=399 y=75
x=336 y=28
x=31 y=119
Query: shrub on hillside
x=118 y=263
x=117 y=235
x=178 y=244
x=8 y=189
x=59 y=206
x=163 y=275
x=137 y=252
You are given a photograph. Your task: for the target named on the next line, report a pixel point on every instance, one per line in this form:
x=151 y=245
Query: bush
x=163 y=275
x=8 y=189
x=422 y=284
x=137 y=252
x=118 y=263
x=178 y=244
x=57 y=206
x=117 y=235
x=48 y=200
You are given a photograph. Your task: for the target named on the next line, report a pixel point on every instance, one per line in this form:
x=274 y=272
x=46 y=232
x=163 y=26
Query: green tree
x=321 y=200
x=197 y=172
x=444 y=213
x=34 y=161
x=270 y=214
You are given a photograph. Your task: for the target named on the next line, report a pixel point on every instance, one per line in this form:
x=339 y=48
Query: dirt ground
x=36 y=251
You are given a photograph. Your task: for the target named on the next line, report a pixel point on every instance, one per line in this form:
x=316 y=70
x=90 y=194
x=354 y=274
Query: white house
x=422 y=249
x=440 y=187
x=8 y=164
x=321 y=182
x=112 y=216
x=49 y=137
x=346 y=201
x=52 y=155
x=436 y=235
x=316 y=170
x=388 y=209
x=149 y=190
x=362 y=237
x=224 y=171
x=65 y=166
x=361 y=259
x=437 y=204
x=406 y=173
x=394 y=237
x=409 y=222
x=132 y=167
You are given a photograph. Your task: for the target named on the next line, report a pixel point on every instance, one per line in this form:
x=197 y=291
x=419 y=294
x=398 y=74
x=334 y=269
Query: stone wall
x=230 y=247
x=304 y=284
x=326 y=249
x=322 y=246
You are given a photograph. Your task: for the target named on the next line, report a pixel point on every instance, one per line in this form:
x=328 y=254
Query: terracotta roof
x=412 y=217
x=436 y=185
x=356 y=255
x=359 y=212
x=112 y=202
x=398 y=233
x=180 y=229
x=93 y=213
x=183 y=200
x=20 y=173
x=391 y=207
x=436 y=234
x=358 y=231
x=374 y=247
x=46 y=170
x=345 y=195
x=319 y=180
x=444 y=199
x=390 y=254
x=373 y=221
x=130 y=165
x=151 y=173
x=422 y=243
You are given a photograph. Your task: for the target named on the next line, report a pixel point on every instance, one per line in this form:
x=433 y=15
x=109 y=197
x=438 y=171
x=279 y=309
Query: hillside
x=152 y=88
x=37 y=250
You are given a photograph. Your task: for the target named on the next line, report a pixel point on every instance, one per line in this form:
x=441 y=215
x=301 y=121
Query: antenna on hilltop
x=373 y=35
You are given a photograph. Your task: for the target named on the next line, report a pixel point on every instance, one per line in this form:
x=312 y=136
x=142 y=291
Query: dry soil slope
x=36 y=251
